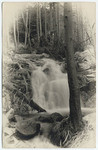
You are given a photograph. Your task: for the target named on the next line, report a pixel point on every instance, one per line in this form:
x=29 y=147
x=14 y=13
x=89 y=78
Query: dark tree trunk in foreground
x=75 y=108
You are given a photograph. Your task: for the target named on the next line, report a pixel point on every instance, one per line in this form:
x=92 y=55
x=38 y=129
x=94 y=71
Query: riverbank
x=85 y=139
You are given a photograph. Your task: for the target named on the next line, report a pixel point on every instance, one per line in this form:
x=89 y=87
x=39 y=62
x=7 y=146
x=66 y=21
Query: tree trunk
x=17 y=31
x=74 y=101
x=40 y=21
x=15 y=39
x=29 y=31
x=58 y=20
x=54 y=21
x=45 y=23
x=37 y=22
x=26 y=28
x=51 y=25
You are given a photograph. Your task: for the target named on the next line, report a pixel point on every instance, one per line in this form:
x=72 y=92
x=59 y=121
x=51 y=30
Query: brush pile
x=18 y=84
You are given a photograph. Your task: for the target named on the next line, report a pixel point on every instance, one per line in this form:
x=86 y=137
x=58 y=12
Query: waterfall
x=50 y=86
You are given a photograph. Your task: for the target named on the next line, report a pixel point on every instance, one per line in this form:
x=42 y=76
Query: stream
x=51 y=92
x=50 y=86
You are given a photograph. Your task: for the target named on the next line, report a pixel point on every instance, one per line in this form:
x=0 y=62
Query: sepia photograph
x=49 y=74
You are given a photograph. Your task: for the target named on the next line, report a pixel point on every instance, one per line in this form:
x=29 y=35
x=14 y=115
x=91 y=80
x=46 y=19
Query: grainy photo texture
x=49 y=75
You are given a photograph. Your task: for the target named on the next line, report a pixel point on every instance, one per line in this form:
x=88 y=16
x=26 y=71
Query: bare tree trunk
x=15 y=39
x=81 y=24
x=45 y=23
x=75 y=108
x=54 y=21
x=17 y=31
x=29 y=31
x=58 y=20
x=40 y=21
x=26 y=27
x=51 y=23
x=37 y=22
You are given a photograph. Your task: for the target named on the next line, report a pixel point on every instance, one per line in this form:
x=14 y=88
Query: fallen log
x=36 y=106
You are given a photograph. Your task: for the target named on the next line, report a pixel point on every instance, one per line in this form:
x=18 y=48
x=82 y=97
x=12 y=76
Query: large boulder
x=28 y=127
x=56 y=117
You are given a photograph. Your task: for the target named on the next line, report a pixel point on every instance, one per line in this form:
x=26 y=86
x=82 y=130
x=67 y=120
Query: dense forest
x=49 y=85
x=42 y=25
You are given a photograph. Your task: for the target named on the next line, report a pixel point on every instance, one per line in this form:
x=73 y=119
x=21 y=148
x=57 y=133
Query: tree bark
x=54 y=21
x=74 y=101
x=15 y=39
x=29 y=30
x=58 y=20
x=37 y=22
x=17 y=30
x=40 y=21
x=45 y=22
x=26 y=27
x=51 y=25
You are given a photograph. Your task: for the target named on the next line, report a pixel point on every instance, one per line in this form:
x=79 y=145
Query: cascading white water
x=50 y=86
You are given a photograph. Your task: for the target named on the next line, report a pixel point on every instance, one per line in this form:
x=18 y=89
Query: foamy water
x=50 y=86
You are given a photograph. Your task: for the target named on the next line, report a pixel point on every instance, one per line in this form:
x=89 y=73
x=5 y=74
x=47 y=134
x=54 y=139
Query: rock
x=28 y=127
x=45 y=129
x=50 y=118
x=47 y=119
x=63 y=67
x=56 y=117
x=38 y=122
